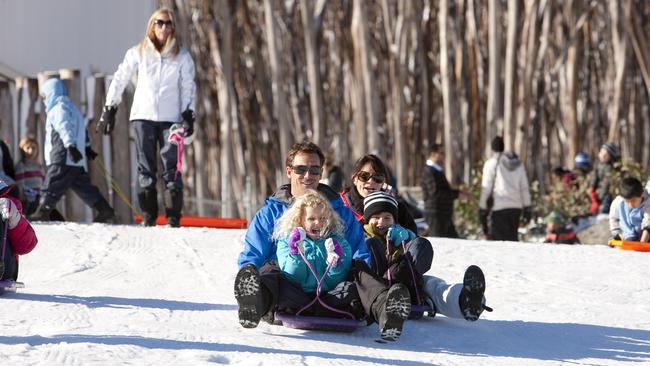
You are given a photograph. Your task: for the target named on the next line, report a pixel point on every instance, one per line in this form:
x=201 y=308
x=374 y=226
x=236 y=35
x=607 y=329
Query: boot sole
x=472 y=293
x=247 y=287
x=398 y=308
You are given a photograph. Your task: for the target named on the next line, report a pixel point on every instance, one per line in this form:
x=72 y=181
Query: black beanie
x=612 y=150
x=497 y=144
x=377 y=202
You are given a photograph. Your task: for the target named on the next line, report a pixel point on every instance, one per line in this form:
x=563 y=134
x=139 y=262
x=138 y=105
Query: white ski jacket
x=165 y=83
x=510 y=183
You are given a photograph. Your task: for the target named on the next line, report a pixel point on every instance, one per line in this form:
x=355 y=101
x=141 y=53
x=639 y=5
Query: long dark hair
x=374 y=161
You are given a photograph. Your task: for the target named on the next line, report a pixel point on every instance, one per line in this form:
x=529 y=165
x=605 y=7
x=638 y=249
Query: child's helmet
x=582 y=160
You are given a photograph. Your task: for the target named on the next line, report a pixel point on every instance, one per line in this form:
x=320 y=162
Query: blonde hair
x=150 y=34
x=24 y=143
x=292 y=217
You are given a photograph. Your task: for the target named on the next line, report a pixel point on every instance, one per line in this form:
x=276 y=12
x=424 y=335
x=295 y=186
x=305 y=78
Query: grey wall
x=38 y=35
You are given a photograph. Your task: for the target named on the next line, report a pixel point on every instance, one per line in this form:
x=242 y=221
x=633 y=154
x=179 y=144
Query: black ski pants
x=149 y=137
x=60 y=178
x=355 y=295
x=505 y=224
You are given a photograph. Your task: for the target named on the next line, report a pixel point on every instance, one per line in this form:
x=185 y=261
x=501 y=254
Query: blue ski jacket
x=260 y=247
x=64 y=127
x=297 y=271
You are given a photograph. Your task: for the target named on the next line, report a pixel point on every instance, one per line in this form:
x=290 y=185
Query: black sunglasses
x=159 y=23
x=302 y=169
x=365 y=176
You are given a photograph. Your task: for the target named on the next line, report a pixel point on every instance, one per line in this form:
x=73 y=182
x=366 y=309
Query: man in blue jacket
x=66 y=148
x=260 y=287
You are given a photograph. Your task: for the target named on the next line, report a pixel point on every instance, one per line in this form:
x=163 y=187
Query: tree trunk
x=494 y=100
x=313 y=72
x=509 y=98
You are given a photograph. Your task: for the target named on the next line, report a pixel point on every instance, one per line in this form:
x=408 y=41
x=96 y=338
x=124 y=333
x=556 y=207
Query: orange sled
x=629 y=245
x=198 y=221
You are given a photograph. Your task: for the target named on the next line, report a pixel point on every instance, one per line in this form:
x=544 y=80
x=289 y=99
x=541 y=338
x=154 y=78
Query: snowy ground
x=117 y=295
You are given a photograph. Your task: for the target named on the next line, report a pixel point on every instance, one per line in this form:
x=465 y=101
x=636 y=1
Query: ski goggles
x=366 y=176
x=302 y=169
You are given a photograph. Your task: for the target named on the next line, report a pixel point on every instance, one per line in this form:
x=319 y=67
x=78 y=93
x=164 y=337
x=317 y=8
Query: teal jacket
x=296 y=270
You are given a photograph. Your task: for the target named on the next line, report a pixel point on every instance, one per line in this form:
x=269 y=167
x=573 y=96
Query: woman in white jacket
x=164 y=95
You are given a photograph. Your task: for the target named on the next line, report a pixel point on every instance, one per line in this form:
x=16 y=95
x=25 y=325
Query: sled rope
x=318 y=289
x=116 y=187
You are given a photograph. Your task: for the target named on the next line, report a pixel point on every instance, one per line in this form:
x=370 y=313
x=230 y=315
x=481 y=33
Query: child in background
x=557 y=232
x=21 y=238
x=29 y=175
x=633 y=211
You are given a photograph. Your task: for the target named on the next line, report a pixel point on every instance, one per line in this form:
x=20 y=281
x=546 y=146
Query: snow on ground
x=126 y=295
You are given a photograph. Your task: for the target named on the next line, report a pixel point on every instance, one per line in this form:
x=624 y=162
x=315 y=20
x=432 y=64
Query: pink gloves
x=334 y=252
x=295 y=240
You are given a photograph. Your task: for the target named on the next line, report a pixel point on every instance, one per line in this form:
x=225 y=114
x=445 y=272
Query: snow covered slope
x=114 y=295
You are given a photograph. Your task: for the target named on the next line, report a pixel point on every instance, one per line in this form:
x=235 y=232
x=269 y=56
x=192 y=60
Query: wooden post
x=95 y=94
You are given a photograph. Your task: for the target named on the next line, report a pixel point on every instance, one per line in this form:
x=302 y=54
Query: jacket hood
x=52 y=89
x=510 y=160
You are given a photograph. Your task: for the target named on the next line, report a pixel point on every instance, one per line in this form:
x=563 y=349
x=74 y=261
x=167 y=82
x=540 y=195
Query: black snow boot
x=42 y=213
x=148 y=200
x=105 y=213
x=248 y=293
x=173 y=206
x=471 y=299
x=390 y=309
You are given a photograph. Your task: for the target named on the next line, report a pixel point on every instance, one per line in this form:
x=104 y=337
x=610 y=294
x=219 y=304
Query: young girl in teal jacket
x=311 y=227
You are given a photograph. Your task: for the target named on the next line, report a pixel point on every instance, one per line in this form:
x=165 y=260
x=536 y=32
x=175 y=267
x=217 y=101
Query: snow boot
x=173 y=206
x=247 y=293
x=105 y=213
x=471 y=300
x=148 y=200
x=42 y=213
x=391 y=308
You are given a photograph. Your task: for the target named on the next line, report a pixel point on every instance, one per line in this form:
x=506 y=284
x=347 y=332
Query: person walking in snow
x=311 y=247
x=66 y=148
x=164 y=96
x=20 y=239
x=601 y=198
x=505 y=194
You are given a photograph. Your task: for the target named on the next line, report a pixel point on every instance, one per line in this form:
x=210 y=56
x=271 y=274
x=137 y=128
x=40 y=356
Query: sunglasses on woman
x=160 y=23
x=365 y=176
x=302 y=169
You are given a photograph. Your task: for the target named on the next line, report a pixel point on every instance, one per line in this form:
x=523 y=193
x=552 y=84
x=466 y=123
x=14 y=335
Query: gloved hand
x=296 y=238
x=188 y=121
x=74 y=153
x=397 y=234
x=107 y=120
x=90 y=153
x=527 y=214
x=334 y=252
x=483 y=218
x=9 y=212
x=593 y=209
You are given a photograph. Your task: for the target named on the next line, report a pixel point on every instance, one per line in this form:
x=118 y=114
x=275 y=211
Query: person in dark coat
x=599 y=194
x=371 y=175
x=438 y=195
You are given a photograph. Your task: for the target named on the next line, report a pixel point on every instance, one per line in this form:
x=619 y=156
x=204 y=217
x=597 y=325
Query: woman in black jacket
x=370 y=175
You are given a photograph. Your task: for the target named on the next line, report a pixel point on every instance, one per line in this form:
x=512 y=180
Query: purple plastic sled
x=417 y=311
x=318 y=322
x=10 y=286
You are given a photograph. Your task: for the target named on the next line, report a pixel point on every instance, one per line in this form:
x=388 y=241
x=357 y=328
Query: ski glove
x=296 y=238
x=75 y=154
x=595 y=205
x=528 y=214
x=107 y=120
x=90 y=153
x=334 y=252
x=397 y=234
x=188 y=121
x=9 y=212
